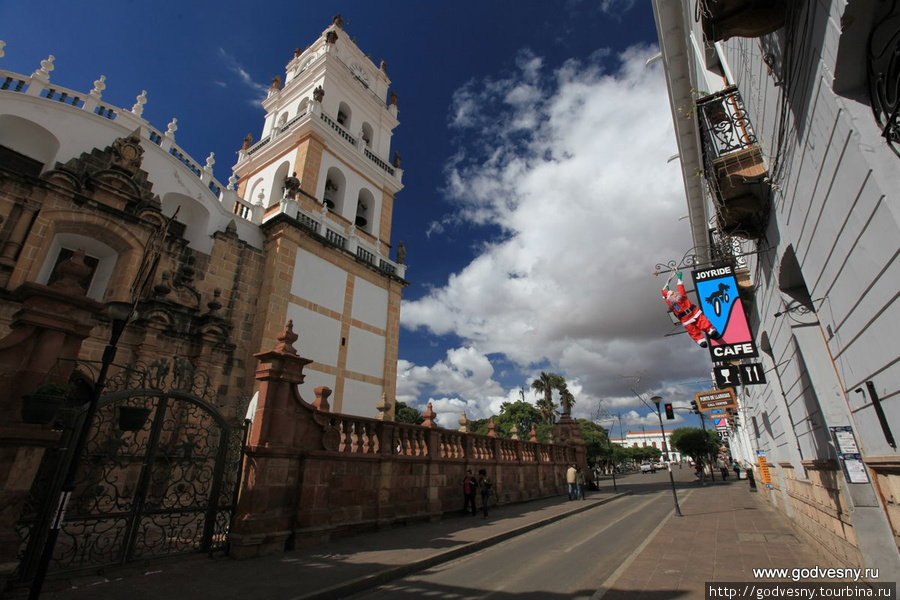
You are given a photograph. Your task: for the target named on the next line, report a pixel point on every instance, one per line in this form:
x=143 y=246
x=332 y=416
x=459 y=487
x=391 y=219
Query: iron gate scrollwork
x=170 y=487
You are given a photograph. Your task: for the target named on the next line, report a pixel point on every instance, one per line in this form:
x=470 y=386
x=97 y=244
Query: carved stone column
x=282 y=427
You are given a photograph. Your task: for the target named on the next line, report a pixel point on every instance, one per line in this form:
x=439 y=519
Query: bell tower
x=322 y=175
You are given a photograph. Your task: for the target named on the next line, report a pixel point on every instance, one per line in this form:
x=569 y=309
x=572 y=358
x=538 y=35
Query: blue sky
x=538 y=197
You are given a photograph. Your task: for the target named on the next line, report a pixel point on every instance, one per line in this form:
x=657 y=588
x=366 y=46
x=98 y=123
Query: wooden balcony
x=734 y=166
x=723 y=19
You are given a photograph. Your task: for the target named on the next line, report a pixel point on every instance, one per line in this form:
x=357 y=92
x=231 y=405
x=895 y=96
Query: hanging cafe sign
x=717 y=295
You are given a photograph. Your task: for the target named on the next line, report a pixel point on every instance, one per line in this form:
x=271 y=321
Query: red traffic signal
x=670 y=412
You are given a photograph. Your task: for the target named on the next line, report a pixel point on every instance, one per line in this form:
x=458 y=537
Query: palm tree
x=545 y=384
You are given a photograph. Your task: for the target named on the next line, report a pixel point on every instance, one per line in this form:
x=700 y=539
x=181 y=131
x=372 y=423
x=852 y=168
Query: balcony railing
x=724 y=119
x=90 y=103
x=335 y=238
x=733 y=164
x=884 y=73
x=337 y=127
x=334 y=230
x=365 y=255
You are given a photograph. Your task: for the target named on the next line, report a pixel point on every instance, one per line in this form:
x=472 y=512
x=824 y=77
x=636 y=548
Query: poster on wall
x=849 y=455
x=717 y=296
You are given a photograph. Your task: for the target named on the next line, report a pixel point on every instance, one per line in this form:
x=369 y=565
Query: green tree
x=521 y=414
x=619 y=455
x=595 y=438
x=407 y=414
x=480 y=426
x=696 y=443
x=544 y=385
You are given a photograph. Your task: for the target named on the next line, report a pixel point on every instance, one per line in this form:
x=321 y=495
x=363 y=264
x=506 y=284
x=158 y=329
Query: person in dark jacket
x=470 y=485
x=485 y=483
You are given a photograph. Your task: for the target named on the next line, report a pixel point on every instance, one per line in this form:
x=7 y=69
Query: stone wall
x=886 y=472
x=311 y=474
x=819 y=510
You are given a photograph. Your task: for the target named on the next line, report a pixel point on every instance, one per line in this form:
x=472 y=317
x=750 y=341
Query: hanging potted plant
x=40 y=406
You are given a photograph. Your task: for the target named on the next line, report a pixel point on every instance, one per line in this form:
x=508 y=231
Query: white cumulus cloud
x=570 y=167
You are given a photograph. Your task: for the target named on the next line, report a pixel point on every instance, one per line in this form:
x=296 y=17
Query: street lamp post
x=119 y=313
x=656 y=400
x=612 y=463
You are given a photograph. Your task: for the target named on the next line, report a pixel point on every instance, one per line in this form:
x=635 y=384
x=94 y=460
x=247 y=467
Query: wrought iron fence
x=165 y=484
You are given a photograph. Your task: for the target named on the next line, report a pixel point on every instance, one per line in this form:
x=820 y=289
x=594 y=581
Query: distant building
x=654 y=439
x=301 y=231
x=786 y=120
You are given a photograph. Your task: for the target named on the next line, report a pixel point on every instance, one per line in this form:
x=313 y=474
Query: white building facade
x=788 y=138
x=654 y=439
x=323 y=175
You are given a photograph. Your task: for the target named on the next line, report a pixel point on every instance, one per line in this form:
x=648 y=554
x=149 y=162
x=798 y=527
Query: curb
x=360 y=584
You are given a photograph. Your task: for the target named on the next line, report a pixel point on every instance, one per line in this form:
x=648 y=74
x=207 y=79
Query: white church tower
x=324 y=180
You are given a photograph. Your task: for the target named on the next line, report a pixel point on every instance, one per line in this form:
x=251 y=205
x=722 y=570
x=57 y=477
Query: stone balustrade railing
x=310 y=473
x=359 y=435
x=315 y=111
x=339 y=232
x=38 y=85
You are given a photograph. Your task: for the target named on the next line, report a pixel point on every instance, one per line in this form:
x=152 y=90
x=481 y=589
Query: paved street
x=610 y=546
x=568 y=559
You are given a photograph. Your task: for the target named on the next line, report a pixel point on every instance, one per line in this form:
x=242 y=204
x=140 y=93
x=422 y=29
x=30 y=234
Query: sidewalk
x=725 y=532
x=335 y=570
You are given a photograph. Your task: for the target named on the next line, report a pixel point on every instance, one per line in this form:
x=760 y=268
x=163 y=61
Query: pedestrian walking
x=470 y=485
x=736 y=467
x=570 y=481
x=579 y=484
x=723 y=468
x=485 y=483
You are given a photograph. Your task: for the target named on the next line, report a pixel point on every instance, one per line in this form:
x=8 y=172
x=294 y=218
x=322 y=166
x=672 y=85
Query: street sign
x=752 y=374
x=763 y=468
x=731 y=375
x=727 y=376
x=707 y=401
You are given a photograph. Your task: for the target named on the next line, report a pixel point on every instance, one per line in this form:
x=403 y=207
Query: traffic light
x=670 y=412
x=694 y=408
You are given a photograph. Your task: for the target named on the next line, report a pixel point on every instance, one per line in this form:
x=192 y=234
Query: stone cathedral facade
x=301 y=231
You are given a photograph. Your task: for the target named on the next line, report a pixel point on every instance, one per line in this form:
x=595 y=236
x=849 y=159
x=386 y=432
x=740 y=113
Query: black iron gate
x=159 y=475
